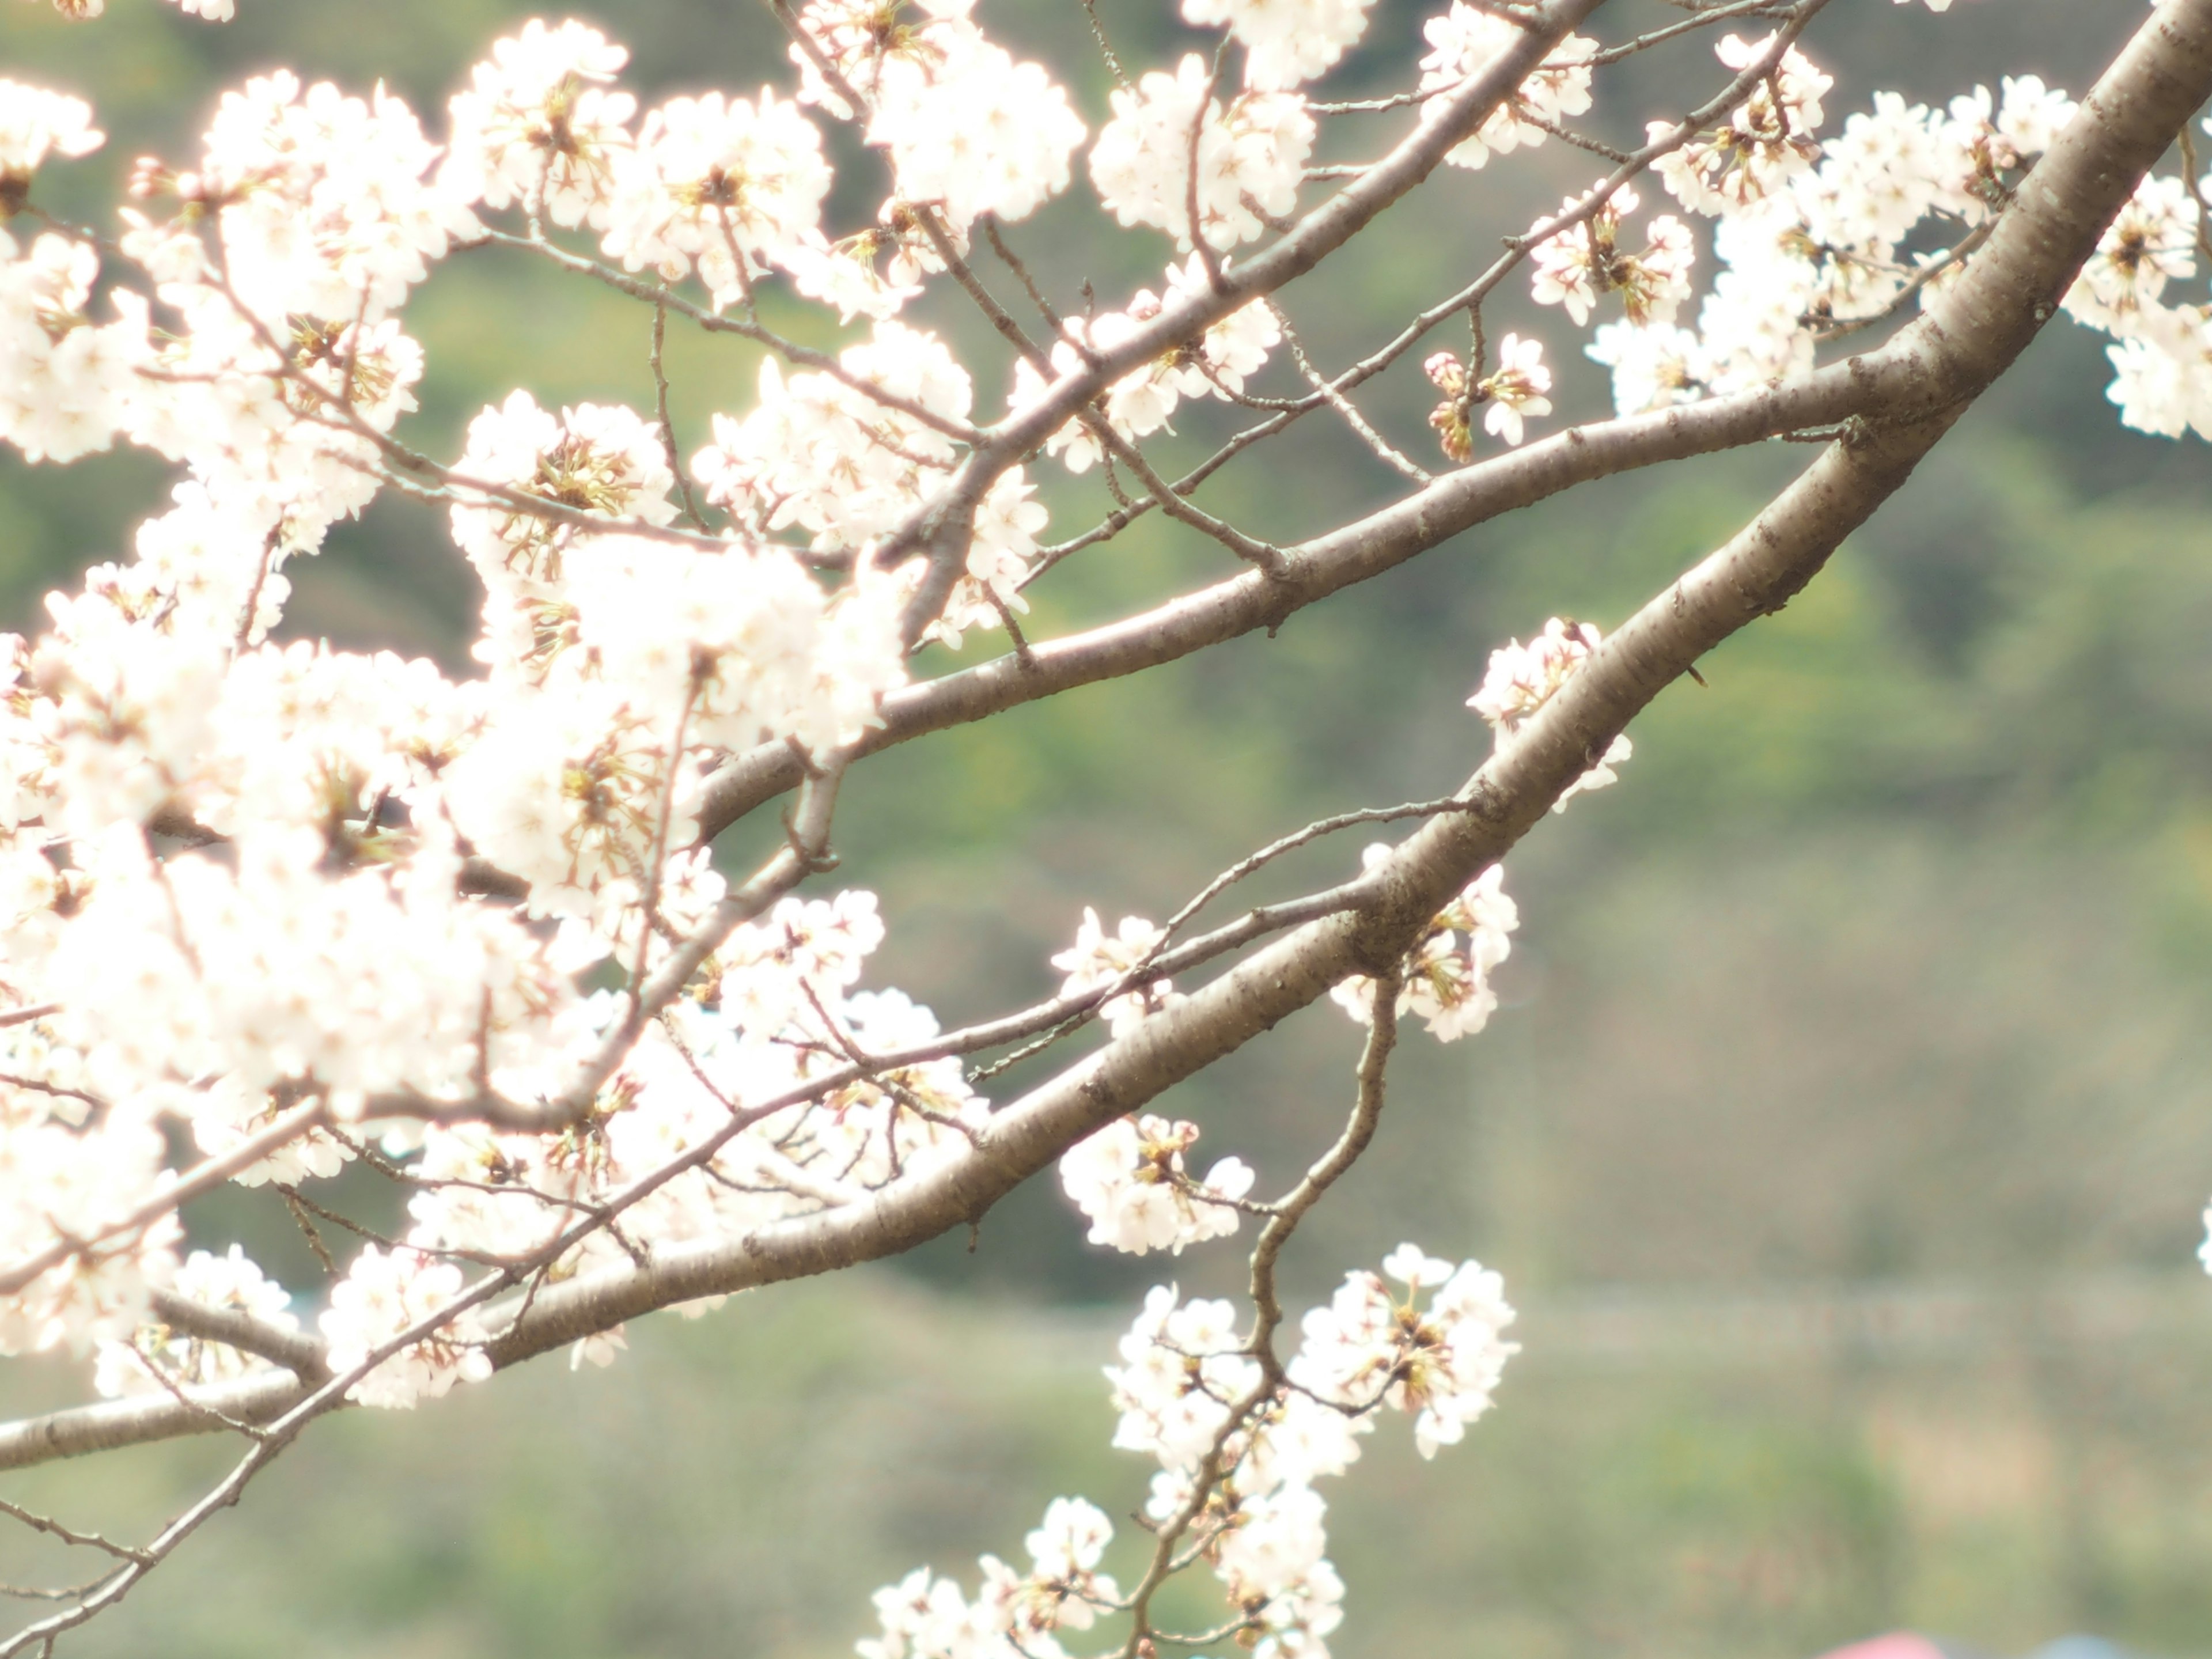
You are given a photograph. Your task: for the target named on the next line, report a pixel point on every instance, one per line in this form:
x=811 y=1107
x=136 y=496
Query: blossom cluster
x=353 y=893
x=157 y=1356
x=1522 y=678
x=1240 y=1449
x=1172 y=143
x=1815 y=237
x=1119 y=962
x=1215 y=365
x=1514 y=390
x=1445 y=977
x=1129 y=1181
x=1467 y=39
x=969 y=129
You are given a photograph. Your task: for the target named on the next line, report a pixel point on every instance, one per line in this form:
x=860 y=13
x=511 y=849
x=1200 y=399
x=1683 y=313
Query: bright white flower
x=1182 y=1369
x=1097 y=960
x=1142 y=402
x=1653 y=367
x=1287 y=42
x=1442 y=1363
x=727 y=184
x=1294 y=1624
x=600 y=459
x=36 y=124
x=1514 y=392
x=1753 y=326
x=262 y=968
x=1465 y=41
x=1276 y=1546
x=384 y=1293
x=817 y=454
x=1072 y=1537
x=539 y=127
x=969 y=129
x=2163 y=372
x=1986 y=141
x=1576 y=266
x=1877 y=179
x=2151 y=243
x=1293 y=1441
x=61 y=1181
x=1516 y=388
x=1521 y=679
x=67 y=384
x=2032 y=115
x=229 y=1282
x=877 y=46
x=1129 y=1180
x=1250 y=157
x=1001 y=557
x=921 y=1617
x=978 y=133
x=1447 y=975
x=323 y=201
x=122 y=710
x=1768 y=137
x=1063 y=1588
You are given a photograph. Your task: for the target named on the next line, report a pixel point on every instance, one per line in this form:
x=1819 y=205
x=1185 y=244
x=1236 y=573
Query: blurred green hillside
x=1883 y=972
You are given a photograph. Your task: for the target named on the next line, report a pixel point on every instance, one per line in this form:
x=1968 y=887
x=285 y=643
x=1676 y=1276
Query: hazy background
x=1842 y=1137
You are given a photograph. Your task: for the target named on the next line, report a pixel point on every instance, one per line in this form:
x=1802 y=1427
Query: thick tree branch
x=1313 y=570
x=296 y=1352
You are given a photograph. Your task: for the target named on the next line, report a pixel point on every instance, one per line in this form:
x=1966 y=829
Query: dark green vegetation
x=1884 y=965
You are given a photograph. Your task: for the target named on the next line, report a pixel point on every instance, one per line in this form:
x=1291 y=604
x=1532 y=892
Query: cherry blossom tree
x=275 y=909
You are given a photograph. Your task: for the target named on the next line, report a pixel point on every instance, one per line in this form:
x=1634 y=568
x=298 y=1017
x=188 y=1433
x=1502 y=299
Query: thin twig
x=667 y=426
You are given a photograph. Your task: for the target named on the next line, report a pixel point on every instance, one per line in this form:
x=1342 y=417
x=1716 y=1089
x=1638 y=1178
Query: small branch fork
x=1283 y=1219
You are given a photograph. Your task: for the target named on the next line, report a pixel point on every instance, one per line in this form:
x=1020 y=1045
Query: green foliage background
x=1883 y=970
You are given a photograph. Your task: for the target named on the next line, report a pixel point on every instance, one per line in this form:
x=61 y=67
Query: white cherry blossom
x=156 y=1352
x=1465 y=41
x=286 y=907
x=1182 y=1369
x=1440 y=1362
x=1653 y=367
x=1097 y=960
x=539 y=126
x=1575 y=267
x=1521 y=679
x=1129 y=1181
x=1515 y=388
x=1768 y=137
x=1247 y=163
x=1287 y=42
x=2153 y=242
x=36 y=124
x=383 y=1295
x=1446 y=977
x=729 y=186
